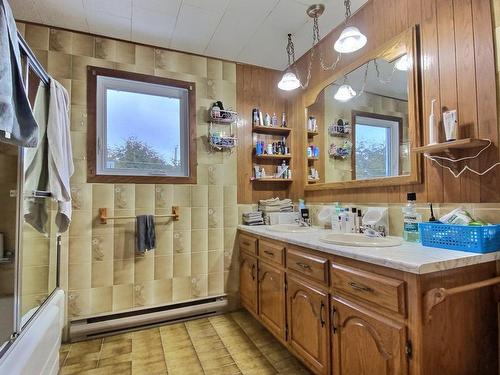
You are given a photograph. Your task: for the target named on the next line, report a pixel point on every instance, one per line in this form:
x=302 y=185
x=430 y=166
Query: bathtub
x=36 y=350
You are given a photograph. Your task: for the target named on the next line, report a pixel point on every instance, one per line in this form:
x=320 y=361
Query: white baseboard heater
x=112 y=324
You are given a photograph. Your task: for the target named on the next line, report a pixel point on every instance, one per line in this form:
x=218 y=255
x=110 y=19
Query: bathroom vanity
x=360 y=310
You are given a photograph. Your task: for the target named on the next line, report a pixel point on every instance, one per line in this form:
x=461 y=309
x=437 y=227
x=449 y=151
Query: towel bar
x=103 y=215
x=435 y=296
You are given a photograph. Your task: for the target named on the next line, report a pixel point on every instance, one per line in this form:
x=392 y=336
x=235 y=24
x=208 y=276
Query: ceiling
x=248 y=31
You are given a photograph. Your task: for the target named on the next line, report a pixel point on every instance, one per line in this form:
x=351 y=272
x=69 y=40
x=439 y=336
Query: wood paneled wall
x=458 y=69
x=256 y=87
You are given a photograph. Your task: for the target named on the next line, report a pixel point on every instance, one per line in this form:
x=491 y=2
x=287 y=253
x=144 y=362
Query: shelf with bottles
x=312 y=152
x=313 y=175
x=281 y=172
x=341 y=128
x=219 y=137
x=269 y=123
x=312 y=127
x=273 y=149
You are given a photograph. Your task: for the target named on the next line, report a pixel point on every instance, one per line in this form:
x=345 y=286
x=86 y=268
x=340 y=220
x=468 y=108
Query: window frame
x=377 y=116
x=93 y=131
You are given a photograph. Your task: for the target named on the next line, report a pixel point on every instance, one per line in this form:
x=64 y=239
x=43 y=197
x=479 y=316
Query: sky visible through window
x=153 y=120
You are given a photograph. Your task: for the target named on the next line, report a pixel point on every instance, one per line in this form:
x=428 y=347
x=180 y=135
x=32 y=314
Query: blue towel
x=145 y=233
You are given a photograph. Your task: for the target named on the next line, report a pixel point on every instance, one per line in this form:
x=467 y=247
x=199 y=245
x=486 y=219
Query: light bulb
x=289 y=82
x=403 y=63
x=344 y=93
x=350 y=40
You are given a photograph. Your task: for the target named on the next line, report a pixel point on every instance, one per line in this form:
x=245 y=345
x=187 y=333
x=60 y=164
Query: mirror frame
x=406 y=42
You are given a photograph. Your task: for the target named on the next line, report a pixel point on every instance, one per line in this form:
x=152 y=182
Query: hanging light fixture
x=289 y=81
x=351 y=39
x=403 y=63
x=344 y=93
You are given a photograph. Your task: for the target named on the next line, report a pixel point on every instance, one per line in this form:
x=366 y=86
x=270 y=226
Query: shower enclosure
x=29 y=243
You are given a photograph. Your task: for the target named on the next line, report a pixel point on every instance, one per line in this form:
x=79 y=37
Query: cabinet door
x=365 y=343
x=248 y=282
x=272 y=298
x=308 y=323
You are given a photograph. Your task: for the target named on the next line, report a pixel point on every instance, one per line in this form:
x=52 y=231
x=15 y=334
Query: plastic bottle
x=411 y=218
x=343 y=218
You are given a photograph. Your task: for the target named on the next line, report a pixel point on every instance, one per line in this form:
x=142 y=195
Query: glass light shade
x=344 y=93
x=289 y=82
x=350 y=40
x=403 y=63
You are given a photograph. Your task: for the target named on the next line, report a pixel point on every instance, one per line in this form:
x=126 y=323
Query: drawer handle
x=245 y=243
x=269 y=252
x=305 y=267
x=334 y=315
x=321 y=308
x=360 y=287
x=253 y=271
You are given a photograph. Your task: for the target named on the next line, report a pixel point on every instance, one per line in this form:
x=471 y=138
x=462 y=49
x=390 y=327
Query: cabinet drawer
x=369 y=287
x=248 y=243
x=272 y=251
x=312 y=266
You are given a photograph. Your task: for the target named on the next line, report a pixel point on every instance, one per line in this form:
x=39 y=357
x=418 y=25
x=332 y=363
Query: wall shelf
x=266 y=156
x=460 y=144
x=312 y=134
x=271 y=130
x=312 y=158
x=270 y=179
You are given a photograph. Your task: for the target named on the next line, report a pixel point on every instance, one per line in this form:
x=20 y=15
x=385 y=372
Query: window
x=376 y=148
x=143 y=128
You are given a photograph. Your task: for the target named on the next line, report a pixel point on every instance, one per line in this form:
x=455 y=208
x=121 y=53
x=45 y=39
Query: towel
x=17 y=123
x=60 y=157
x=145 y=233
x=36 y=169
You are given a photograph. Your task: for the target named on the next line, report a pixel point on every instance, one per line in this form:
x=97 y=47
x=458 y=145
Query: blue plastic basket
x=480 y=239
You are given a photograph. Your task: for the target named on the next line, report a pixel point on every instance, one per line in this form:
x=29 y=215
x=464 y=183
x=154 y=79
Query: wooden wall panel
x=458 y=70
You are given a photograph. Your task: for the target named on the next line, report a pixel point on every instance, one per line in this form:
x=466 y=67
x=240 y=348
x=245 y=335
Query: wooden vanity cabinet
x=342 y=316
x=248 y=282
x=308 y=323
x=366 y=343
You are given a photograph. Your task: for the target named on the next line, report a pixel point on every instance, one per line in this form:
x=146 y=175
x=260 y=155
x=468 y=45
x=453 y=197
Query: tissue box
x=274 y=218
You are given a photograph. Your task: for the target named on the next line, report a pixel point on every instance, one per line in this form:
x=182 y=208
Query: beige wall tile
x=181 y=288
x=78 y=92
x=184 y=222
x=78 y=118
x=215 y=261
x=215 y=217
x=144 y=57
x=199 y=286
x=182 y=265
x=144 y=267
x=145 y=197
x=102 y=274
x=124 y=196
x=59 y=64
x=199 y=218
x=164 y=197
x=103 y=196
x=164 y=266
x=123 y=272
x=60 y=41
x=80 y=249
x=215 y=196
x=103 y=247
x=182 y=242
x=199 y=240
x=143 y=293
x=215 y=239
x=79 y=302
x=164 y=242
x=182 y=195
x=199 y=263
x=125 y=53
x=123 y=297
x=230 y=216
x=37 y=36
x=215 y=283
x=79 y=276
x=105 y=48
x=101 y=300
x=83 y=45
x=199 y=196
x=162 y=291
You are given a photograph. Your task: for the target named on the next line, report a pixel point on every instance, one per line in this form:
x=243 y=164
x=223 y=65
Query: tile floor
x=233 y=343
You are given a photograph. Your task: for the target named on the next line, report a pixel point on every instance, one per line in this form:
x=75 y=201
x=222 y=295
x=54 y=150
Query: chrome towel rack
x=435 y=296
x=103 y=215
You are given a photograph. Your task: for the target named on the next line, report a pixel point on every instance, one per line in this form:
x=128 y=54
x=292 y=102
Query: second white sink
x=360 y=240
x=289 y=228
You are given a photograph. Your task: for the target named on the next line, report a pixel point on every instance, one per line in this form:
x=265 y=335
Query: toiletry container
x=411 y=219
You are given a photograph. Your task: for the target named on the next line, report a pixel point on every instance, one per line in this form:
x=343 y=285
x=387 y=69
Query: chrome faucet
x=303 y=222
x=368 y=230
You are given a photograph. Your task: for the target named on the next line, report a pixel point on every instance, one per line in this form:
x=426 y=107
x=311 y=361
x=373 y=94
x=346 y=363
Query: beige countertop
x=408 y=257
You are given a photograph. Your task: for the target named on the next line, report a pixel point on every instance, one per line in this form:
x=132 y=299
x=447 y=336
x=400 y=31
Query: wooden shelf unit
x=459 y=144
x=266 y=156
x=270 y=179
x=311 y=134
x=271 y=130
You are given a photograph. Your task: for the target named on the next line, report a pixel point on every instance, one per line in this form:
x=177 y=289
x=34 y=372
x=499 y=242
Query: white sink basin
x=360 y=240
x=289 y=228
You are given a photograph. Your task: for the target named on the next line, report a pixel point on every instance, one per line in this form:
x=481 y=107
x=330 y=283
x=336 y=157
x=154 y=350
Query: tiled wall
x=194 y=256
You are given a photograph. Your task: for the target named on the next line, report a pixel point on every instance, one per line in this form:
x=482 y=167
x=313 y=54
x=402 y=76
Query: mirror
x=364 y=121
